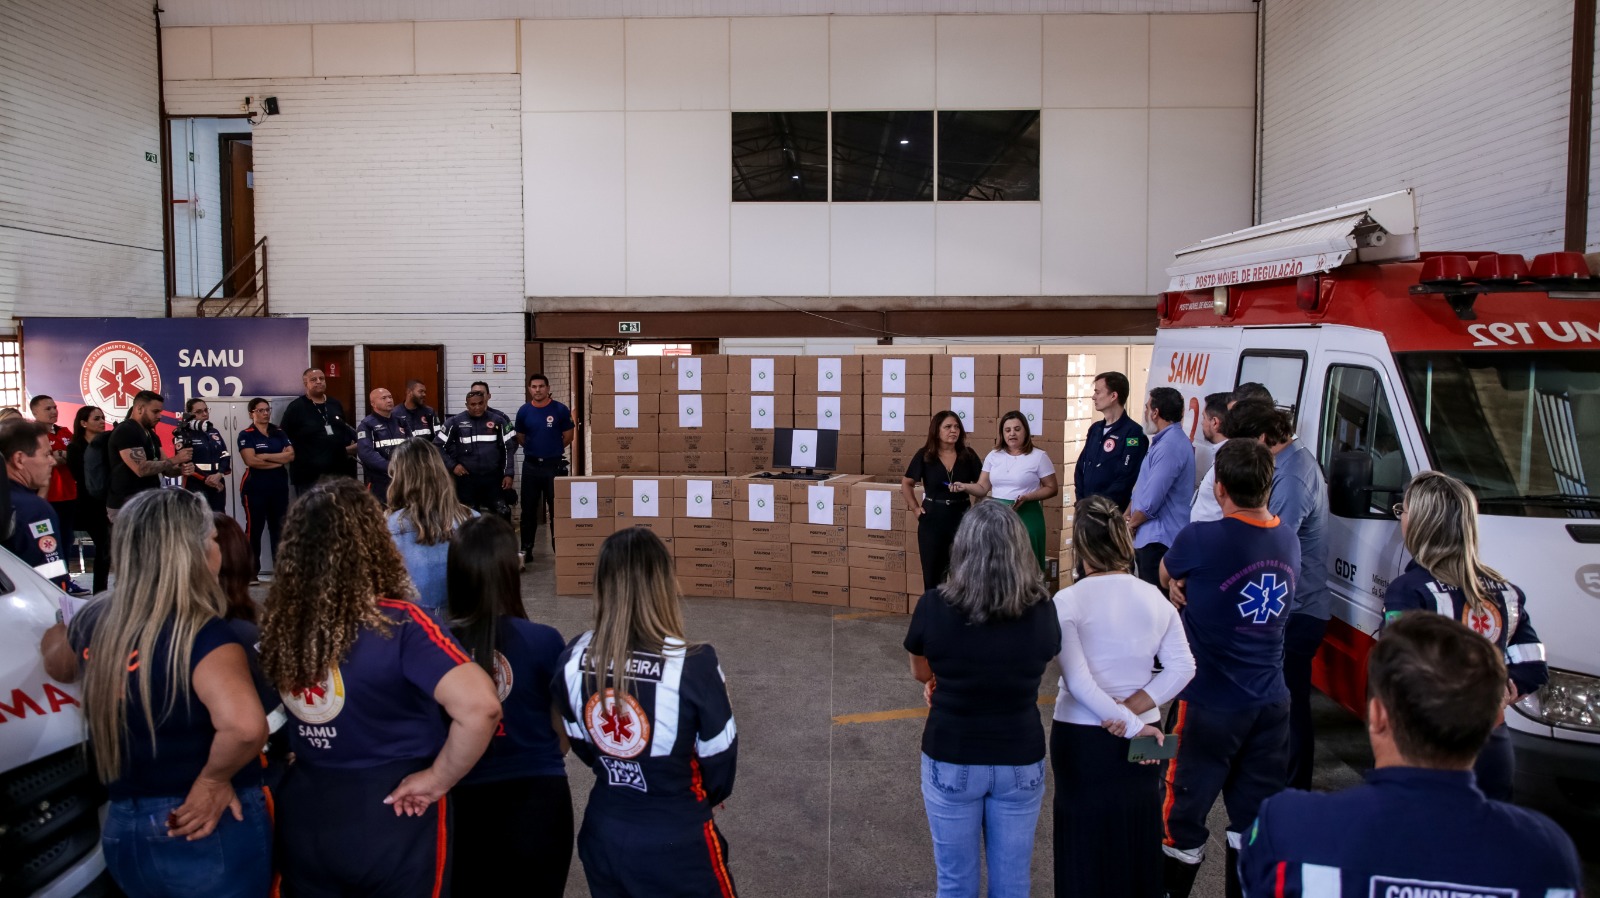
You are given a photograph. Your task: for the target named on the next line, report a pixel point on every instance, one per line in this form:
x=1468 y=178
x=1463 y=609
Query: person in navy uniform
x=387 y=713
x=265 y=449
x=420 y=420
x=35 y=531
x=212 y=462
x=660 y=738
x=544 y=430
x=325 y=444
x=476 y=453
x=1115 y=447
x=377 y=437
x=504 y=419
x=1234 y=582
x=1439 y=523
x=1419 y=826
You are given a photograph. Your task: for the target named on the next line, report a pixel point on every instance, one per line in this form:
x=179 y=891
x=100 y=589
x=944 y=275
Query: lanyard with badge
x=323 y=411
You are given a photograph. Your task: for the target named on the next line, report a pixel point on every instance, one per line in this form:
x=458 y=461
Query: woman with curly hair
x=365 y=674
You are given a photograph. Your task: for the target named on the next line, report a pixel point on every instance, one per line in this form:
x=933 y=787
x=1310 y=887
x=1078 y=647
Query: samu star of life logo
x=114 y=373
x=320 y=702
x=1263 y=599
x=621 y=731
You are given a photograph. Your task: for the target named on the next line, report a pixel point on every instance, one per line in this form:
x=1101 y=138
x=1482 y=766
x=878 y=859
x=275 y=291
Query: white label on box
x=827 y=412
x=830 y=375
x=698 y=498
x=627 y=375
x=627 y=411
x=689 y=374
x=963 y=374
x=819 y=504
x=1031 y=377
x=761 y=502
x=894 y=375
x=585 y=500
x=763 y=412
x=691 y=407
x=1033 y=410
x=880 y=510
x=894 y=414
x=647 y=498
x=762 y=376
x=803 y=451
x=963 y=407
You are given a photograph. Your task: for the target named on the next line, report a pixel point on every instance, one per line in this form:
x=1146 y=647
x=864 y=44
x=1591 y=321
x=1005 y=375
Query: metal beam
x=867 y=326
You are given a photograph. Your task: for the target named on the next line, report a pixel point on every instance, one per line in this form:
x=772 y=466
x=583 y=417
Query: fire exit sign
x=629 y=327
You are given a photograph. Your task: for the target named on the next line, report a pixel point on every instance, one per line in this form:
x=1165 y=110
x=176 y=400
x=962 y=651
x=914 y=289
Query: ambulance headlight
x=1569 y=700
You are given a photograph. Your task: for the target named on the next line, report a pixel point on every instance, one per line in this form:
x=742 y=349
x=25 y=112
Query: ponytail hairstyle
x=484 y=585
x=1101 y=537
x=636 y=607
x=1441 y=533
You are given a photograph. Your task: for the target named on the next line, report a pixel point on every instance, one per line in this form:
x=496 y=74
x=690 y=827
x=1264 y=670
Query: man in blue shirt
x=1300 y=500
x=1234 y=580
x=1114 y=448
x=1160 y=504
x=1419 y=826
x=35 y=535
x=544 y=431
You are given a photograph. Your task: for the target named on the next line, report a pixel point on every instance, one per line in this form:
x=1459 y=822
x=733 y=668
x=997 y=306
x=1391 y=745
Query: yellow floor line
x=905 y=713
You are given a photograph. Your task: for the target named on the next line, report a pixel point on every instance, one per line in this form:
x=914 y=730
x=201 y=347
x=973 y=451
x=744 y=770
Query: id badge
x=328 y=428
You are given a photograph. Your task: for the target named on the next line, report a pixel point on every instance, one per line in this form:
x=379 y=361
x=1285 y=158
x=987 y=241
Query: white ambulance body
x=1475 y=364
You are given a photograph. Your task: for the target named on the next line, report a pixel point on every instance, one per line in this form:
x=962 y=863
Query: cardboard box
x=604 y=487
x=806 y=404
x=873 y=580
x=893 y=443
x=741 y=463
x=692 y=441
x=645 y=495
x=643 y=385
x=1034 y=376
x=760 y=531
x=694 y=462
x=878 y=558
x=671 y=365
x=570 y=565
x=827 y=374
x=770 y=590
x=661 y=527
x=758 y=442
x=702 y=548
x=740 y=404
x=579 y=546
x=762 y=570
x=612 y=405
x=742 y=365
x=696 y=567
x=914 y=582
x=821 y=555
x=885 y=465
x=719 y=509
x=817 y=535
x=705 y=528
x=868 y=498
x=575 y=585
x=822 y=573
x=781 y=512
x=907 y=414
x=874 y=366
x=710 y=422
x=888 y=384
x=825 y=420
x=944 y=366
x=603 y=423
x=601 y=526
x=721 y=487
x=706 y=587
x=873 y=600
x=744 y=550
x=822 y=594
x=774 y=385
x=644 y=364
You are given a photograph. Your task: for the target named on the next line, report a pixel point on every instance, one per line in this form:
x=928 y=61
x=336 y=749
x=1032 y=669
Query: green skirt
x=1032 y=516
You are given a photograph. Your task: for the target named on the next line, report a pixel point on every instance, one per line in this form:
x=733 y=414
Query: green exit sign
x=149 y=157
x=629 y=327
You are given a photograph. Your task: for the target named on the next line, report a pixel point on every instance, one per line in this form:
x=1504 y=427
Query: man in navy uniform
x=212 y=462
x=1115 y=447
x=1419 y=826
x=475 y=451
x=377 y=437
x=35 y=532
x=479 y=386
x=544 y=430
x=419 y=419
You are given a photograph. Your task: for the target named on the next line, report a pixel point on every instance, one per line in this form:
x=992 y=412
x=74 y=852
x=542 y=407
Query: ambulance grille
x=49 y=818
x=1587 y=534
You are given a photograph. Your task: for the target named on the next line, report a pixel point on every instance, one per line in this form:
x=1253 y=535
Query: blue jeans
x=235 y=861
x=969 y=804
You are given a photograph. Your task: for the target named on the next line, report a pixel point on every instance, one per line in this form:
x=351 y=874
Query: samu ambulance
x=1392 y=361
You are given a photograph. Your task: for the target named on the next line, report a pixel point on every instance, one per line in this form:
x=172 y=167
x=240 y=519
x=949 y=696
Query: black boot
x=1177 y=877
x=1235 y=889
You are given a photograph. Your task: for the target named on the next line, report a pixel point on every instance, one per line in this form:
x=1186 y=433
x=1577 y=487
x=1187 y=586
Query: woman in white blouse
x=1020 y=476
x=1108 y=810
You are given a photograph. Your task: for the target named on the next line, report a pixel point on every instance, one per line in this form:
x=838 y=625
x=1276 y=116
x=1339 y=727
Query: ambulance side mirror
x=1350 y=484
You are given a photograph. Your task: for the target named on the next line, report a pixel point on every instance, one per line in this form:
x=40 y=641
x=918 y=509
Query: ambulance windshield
x=1521 y=428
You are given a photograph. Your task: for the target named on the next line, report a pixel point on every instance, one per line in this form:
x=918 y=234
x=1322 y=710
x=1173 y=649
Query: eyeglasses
x=1399 y=508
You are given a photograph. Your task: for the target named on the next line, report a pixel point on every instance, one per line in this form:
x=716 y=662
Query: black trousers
x=1147 y=562
x=623 y=859
x=936 y=533
x=538 y=496
x=90 y=515
x=378 y=486
x=1244 y=755
x=66 y=516
x=1300 y=641
x=264 y=507
x=513 y=831
x=214 y=498
x=1107 y=815
x=480 y=491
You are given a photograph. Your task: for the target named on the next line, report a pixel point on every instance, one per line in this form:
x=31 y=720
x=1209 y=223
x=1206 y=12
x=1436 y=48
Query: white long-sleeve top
x=1111 y=626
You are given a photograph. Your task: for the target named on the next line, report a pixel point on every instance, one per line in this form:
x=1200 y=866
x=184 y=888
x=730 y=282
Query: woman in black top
x=89 y=514
x=980 y=642
x=945 y=459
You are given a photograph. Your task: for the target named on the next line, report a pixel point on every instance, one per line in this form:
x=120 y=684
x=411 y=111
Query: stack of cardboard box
x=625 y=415
x=694 y=414
x=827 y=396
x=761 y=551
x=702 y=535
x=585 y=516
x=875 y=540
x=969 y=386
x=896 y=395
x=760 y=398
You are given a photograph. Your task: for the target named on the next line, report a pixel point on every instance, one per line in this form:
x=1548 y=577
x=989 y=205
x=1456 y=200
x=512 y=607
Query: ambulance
x=1483 y=365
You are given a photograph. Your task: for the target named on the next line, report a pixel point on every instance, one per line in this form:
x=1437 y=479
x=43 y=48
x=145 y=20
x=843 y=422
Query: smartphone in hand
x=1146 y=748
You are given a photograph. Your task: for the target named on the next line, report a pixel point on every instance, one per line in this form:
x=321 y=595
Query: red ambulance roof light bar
x=1501 y=268
x=1560 y=266
x=1446 y=269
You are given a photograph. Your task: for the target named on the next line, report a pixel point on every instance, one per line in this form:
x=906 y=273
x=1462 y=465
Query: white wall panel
x=1200 y=180
x=882 y=62
x=1096 y=61
x=988 y=62
x=466 y=48
x=383 y=196
x=571 y=66
x=779 y=64
x=274 y=51
x=679 y=175
x=676 y=63
x=987 y=249
x=882 y=249
x=1203 y=60
x=185 y=53
x=780 y=249
x=1094 y=189
x=386 y=49
x=573 y=180
x=1470 y=110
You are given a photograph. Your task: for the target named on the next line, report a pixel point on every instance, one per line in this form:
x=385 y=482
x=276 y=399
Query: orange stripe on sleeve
x=441 y=849
x=719 y=865
x=429 y=627
x=1172 y=780
x=1283 y=874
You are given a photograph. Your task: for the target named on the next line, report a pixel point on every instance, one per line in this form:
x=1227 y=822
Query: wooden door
x=238 y=214
x=338 y=364
x=391 y=366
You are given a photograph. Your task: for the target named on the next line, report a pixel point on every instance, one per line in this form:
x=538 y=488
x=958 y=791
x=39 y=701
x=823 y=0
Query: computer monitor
x=813 y=450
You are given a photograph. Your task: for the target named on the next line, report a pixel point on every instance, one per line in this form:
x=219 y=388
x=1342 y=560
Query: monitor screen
x=814 y=449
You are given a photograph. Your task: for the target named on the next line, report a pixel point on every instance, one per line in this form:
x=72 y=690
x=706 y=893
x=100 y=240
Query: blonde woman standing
x=423 y=515
x=1439 y=523
x=660 y=736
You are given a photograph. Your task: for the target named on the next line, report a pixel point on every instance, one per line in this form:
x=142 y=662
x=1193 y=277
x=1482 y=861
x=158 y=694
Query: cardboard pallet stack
x=585 y=516
x=827 y=396
x=896 y=395
x=625 y=415
x=819 y=556
x=876 y=546
x=694 y=414
x=760 y=398
x=969 y=386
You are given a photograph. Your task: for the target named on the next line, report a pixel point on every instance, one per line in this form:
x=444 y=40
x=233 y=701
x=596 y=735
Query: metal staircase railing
x=248 y=305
